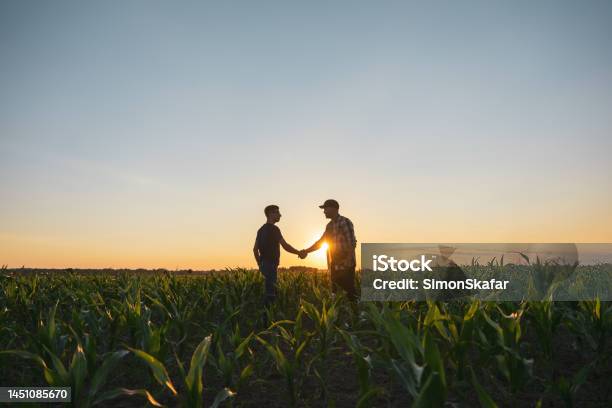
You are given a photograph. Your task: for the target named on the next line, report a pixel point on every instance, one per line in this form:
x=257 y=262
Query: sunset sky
x=152 y=134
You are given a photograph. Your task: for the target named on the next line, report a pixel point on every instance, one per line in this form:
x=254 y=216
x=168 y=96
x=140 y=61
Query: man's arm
x=316 y=245
x=288 y=247
x=256 y=252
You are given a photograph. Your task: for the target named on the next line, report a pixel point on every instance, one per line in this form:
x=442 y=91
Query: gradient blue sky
x=146 y=133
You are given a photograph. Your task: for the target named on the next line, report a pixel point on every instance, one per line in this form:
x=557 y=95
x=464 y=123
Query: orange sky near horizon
x=173 y=248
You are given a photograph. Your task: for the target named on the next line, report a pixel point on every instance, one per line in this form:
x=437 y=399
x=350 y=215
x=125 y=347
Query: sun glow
x=320 y=255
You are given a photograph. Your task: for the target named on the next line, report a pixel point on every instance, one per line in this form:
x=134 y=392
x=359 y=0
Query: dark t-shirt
x=268 y=242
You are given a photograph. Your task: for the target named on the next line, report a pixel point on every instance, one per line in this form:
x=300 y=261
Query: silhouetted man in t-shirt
x=267 y=250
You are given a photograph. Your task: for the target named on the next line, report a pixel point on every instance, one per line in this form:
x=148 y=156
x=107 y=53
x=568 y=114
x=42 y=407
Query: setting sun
x=320 y=255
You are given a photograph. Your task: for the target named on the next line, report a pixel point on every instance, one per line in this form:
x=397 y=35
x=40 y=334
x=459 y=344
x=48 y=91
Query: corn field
x=205 y=340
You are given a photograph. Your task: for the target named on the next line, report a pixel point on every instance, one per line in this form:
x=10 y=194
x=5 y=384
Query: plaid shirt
x=340 y=236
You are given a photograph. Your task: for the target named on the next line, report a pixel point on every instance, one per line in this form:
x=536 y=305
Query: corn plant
x=505 y=347
x=77 y=374
x=363 y=362
x=545 y=320
x=566 y=388
x=324 y=336
x=289 y=363
x=435 y=351
x=593 y=322
x=456 y=329
x=176 y=310
x=192 y=379
x=231 y=366
x=483 y=397
x=416 y=362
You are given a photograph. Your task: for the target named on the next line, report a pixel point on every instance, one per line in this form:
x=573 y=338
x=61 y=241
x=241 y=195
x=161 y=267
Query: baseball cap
x=330 y=203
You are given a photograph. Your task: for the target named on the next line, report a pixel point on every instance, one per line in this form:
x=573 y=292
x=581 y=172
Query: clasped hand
x=302 y=254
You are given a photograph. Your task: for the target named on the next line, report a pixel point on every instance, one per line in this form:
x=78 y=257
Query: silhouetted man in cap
x=340 y=237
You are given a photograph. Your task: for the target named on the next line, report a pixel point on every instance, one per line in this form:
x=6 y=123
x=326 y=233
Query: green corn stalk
x=566 y=388
x=49 y=336
x=176 y=310
x=324 y=324
x=324 y=335
x=593 y=322
x=483 y=397
x=228 y=364
x=456 y=329
x=506 y=348
x=463 y=337
x=76 y=373
x=434 y=390
x=192 y=380
x=160 y=374
x=419 y=367
x=288 y=365
x=545 y=321
x=547 y=276
x=399 y=340
x=138 y=319
x=363 y=362
x=125 y=392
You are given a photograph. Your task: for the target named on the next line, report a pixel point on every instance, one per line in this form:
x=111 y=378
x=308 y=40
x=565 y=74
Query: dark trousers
x=269 y=270
x=344 y=278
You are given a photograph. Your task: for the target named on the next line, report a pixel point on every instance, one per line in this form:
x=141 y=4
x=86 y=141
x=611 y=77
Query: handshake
x=302 y=254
